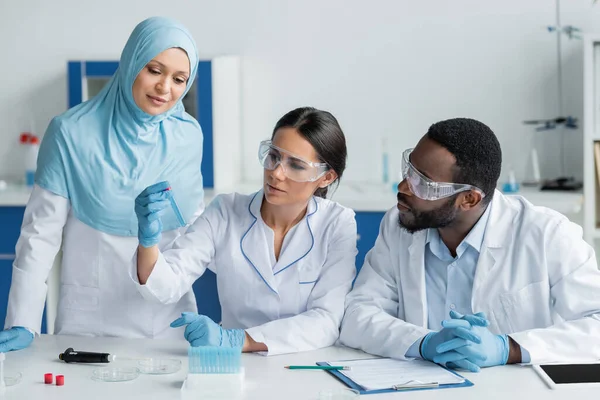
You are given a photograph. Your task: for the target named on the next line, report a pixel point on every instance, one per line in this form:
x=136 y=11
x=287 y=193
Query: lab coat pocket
x=528 y=307
x=307 y=279
x=81 y=265
x=79 y=311
x=82 y=298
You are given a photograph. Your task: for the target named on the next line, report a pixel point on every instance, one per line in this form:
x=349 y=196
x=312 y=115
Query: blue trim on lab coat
x=311 y=236
x=242 y=247
x=290 y=264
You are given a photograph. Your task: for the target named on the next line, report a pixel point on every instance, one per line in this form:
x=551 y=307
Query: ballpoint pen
x=321 y=367
x=415 y=384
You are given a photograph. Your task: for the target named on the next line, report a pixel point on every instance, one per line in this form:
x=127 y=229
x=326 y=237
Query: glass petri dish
x=12 y=380
x=338 y=394
x=159 y=366
x=115 y=374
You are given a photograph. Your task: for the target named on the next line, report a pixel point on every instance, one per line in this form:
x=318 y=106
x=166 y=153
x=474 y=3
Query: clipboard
x=398 y=388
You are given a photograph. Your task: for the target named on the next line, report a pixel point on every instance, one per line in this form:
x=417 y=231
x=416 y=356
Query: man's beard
x=438 y=218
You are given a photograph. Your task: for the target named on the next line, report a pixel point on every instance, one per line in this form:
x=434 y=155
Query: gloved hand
x=494 y=348
x=454 y=329
x=203 y=331
x=148 y=206
x=15 y=338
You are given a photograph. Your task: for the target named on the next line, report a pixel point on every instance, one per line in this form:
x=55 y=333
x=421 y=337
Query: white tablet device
x=569 y=375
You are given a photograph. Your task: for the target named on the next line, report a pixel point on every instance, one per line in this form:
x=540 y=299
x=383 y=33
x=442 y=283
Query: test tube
x=177 y=211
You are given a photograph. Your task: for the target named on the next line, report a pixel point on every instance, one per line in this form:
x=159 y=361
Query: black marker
x=71 y=355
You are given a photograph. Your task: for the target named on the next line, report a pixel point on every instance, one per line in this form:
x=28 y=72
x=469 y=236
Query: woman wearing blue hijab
x=94 y=160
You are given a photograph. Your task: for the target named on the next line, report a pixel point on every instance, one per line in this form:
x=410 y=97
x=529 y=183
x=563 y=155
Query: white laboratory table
x=358 y=196
x=265 y=376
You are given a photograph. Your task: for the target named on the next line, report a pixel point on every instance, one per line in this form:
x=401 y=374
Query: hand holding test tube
x=149 y=205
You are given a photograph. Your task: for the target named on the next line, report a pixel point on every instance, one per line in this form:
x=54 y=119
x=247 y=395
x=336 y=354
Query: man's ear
x=470 y=199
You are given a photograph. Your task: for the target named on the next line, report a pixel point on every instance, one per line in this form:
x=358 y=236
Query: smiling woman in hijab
x=94 y=160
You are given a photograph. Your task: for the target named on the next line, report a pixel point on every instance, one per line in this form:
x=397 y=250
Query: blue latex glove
x=452 y=329
x=15 y=338
x=148 y=206
x=203 y=331
x=495 y=348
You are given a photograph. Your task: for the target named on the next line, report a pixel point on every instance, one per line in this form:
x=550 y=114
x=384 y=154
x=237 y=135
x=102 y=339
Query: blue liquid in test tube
x=177 y=211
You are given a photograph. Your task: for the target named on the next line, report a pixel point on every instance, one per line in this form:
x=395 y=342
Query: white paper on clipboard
x=386 y=373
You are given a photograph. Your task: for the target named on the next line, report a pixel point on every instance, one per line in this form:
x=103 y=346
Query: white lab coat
x=536 y=279
x=292 y=304
x=97 y=297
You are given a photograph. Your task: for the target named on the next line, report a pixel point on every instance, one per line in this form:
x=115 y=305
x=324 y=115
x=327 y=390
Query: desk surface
x=265 y=376
x=358 y=196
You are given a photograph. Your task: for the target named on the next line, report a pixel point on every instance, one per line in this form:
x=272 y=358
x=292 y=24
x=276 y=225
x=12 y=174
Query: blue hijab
x=102 y=153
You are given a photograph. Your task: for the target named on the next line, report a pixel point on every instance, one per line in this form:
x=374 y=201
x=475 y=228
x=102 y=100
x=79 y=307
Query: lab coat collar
x=255 y=247
x=301 y=243
x=475 y=236
x=498 y=234
x=415 y=277
x=257 y=250
x=498 y=231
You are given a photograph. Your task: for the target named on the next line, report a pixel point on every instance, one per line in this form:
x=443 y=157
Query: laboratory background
x=387 y=69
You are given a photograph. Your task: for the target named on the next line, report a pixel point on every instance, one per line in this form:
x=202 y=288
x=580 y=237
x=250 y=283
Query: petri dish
x=12 y=380
x=159 y=366
x=115 y=374
x=338 y=394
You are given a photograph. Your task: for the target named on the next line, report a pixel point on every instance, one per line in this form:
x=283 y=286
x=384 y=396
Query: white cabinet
x=591 y=137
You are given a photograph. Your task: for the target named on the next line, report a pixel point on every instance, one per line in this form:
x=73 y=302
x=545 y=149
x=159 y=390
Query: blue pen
x=176 y=209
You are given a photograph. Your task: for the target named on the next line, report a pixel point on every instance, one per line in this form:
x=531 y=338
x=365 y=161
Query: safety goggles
x=426 y=189
x=294 y=167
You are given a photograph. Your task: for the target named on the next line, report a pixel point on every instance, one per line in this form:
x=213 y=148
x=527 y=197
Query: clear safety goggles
x=426 y=189
x=294 y=167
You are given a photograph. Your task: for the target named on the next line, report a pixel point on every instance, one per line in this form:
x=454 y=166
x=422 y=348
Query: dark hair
x=476 y=149
x=323 y=132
